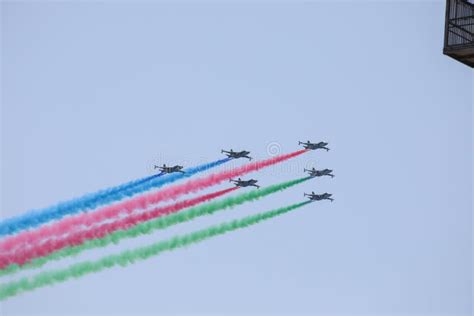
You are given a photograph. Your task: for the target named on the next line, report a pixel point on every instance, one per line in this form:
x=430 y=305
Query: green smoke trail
x=159 y=223
x=130 y=256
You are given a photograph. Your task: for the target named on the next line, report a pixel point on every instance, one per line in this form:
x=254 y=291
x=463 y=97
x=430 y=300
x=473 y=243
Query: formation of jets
x=252 y=182
x=317 y=173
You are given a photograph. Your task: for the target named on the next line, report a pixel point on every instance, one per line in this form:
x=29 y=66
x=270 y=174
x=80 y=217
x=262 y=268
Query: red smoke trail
x=64 y=226
x=27 y=254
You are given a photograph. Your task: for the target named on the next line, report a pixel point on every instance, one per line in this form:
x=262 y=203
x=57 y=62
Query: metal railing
x=459 y=29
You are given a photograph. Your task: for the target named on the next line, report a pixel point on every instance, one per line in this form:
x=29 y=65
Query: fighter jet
x=319 y=173
x=314 y=146
x=166 y=169
x=318 y=197
x=245 y=183
x=237 y=154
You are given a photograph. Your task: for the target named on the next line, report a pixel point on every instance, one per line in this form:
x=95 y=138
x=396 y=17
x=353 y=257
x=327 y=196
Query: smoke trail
x=199 y=184
x=159 y=223
x=130 y=256
x=145 y=200
x=20 y=256
x=38 y=217
x=155 y=197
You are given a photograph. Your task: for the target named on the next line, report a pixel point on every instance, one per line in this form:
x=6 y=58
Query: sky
x=95 y=93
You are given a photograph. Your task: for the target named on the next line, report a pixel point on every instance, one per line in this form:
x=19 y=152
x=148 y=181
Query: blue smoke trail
x=90 y=201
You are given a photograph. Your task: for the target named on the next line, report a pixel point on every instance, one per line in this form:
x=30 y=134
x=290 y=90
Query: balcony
x=459 y=31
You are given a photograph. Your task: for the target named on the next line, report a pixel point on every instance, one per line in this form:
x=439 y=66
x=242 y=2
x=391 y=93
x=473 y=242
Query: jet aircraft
x=166 y=169
x=245 y=183
x=237 y=154
x=314 y=146
x=318 y=197
x=319 y=173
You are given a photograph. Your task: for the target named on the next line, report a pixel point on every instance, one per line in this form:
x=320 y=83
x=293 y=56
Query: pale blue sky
x=95 y=92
